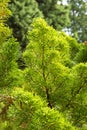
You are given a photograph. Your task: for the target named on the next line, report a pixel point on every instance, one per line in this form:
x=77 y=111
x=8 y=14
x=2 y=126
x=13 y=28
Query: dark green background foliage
x=56 y=15
x=71 y=16
x=78 y=17
x=26 y=10
x=23 y=13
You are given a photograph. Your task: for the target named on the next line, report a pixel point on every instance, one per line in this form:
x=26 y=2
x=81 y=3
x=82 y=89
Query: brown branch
x=9 y=100
x=48 y=98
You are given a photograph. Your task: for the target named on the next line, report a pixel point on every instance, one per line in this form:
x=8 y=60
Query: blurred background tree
x=55 y=13
x=72 y=16
x=78 y=17
x=25 y=11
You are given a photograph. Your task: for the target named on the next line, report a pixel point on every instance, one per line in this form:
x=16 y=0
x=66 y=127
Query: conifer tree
x=57 y=15
x=4 y=13
x=9 y=72
x=78 y=101
x=45 y=57
x=78 y=17
x=46 y=73
x=10 y=75
x=23 y=13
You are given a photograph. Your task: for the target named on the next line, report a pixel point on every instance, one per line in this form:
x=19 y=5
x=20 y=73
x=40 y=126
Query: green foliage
x=78 y=19
x=4 y=11
x=60 y=89
x=5 y=32
x=9 y=73
x=45 y=57
x=28 y=112
x=23 y=13
x=74 y=46
x=57 y=15
x=78 y=103
x=48 y=39
x=82 y=54
x=46 y=73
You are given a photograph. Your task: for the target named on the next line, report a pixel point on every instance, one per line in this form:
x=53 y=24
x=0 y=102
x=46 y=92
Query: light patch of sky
x=64 y=2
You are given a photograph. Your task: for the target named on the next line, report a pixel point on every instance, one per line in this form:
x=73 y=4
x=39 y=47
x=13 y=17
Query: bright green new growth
x=45 y=57
x=9 y=72
x=46 y=74
x=5 y=32
x=4 y=11
x=79 y=94
x=30 y=112
x=10 y=75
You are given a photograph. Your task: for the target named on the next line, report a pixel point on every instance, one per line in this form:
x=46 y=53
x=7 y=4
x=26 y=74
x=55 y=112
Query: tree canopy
x=50 y=93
